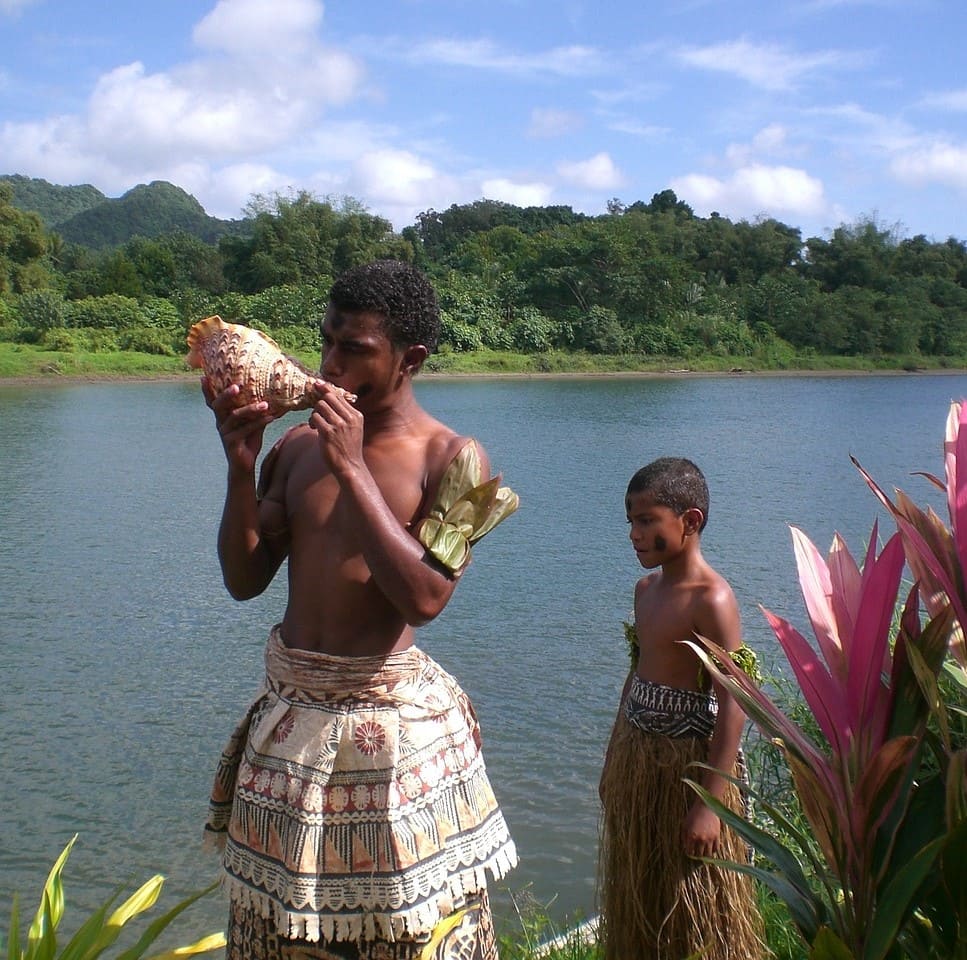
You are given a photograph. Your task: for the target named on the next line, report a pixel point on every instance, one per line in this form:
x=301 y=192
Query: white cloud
x=547 y=123
x=519 y=194
x=228 y=189
x=769 y=141
x=954 y=100
x=261 y=85
x=763 y=65
x=634 y=128
x=394 y=176
x=242 y=27
x=939 y=162
x=597 y=173
x=752 y=190
x=572 y=61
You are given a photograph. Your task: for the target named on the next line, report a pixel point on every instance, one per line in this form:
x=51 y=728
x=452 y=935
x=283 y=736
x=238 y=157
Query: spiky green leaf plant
x=101 y=929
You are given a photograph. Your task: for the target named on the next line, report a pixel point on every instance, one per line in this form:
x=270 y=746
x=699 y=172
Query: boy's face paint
x=653 y=528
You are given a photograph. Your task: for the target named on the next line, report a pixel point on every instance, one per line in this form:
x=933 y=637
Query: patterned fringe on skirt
x=251 y=937
x=657 y=903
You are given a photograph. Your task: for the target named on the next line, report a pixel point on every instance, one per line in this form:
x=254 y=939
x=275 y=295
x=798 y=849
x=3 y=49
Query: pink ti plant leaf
x=817 y=591
x=932 y=551
x=775 y=724
x=822 y=693
x=869 y=660
x=845 y=583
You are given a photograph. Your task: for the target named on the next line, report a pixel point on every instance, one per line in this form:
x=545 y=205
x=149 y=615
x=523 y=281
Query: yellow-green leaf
x=827 y=946
x=144 y=898
x=440 y=931
x=505 y=504
x=462 y=474
x=214 y=941
x=51 y=907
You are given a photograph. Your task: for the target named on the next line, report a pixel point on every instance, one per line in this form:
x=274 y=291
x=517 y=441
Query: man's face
x=357 y=355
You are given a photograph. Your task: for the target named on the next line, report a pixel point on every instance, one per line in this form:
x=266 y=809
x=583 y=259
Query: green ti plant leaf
x=101 y=928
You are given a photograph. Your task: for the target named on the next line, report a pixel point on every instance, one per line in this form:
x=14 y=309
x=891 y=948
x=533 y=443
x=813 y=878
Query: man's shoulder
x=283 y=452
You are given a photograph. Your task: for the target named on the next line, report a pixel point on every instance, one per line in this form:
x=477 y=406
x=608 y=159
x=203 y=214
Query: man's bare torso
x=334 y=605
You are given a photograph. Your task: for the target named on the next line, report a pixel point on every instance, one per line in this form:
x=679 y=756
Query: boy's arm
x=719 y=623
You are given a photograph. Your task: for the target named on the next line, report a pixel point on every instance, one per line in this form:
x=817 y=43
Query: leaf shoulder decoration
x=466 y=509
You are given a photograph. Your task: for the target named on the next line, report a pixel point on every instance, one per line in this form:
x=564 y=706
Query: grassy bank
x=25 y=361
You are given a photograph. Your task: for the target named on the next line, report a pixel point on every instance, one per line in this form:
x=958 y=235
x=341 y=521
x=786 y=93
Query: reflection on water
x=126 y=663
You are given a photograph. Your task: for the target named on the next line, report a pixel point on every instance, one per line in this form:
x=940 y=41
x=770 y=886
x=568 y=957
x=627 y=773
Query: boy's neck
x=686 y=562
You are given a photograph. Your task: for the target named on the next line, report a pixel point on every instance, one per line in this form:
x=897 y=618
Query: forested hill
x=84 y=215
x=642 y=280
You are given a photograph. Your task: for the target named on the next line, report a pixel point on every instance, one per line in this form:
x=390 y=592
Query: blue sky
x=816 y=112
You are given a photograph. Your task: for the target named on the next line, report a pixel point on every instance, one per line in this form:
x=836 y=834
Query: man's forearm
x=396 y=559
x=240 y=549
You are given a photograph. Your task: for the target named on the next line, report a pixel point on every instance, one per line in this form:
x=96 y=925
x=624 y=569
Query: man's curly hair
x=400 y=293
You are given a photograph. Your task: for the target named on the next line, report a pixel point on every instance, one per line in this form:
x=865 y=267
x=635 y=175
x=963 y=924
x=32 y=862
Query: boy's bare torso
x=668 y=611
x=334 y=605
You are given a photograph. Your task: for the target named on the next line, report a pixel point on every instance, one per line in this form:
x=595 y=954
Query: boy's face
x=657 y=533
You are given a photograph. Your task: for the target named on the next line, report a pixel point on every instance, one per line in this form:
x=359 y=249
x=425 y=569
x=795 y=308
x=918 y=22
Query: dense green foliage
x=645 y=280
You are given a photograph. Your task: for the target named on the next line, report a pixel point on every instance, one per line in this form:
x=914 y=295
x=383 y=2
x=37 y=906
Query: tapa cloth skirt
x=352 y=801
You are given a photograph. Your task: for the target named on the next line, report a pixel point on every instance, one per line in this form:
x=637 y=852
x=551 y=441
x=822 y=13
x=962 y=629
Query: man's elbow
x=242 y=590
x=423 y=609
x=422 y=614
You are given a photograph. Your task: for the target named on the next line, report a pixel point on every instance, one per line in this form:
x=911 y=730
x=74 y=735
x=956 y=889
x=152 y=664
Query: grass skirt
x=656 y=902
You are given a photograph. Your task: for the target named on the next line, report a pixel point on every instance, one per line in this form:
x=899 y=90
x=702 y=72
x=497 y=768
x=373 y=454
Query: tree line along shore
x=643 y=287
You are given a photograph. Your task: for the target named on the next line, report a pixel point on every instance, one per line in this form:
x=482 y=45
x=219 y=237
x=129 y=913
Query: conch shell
x=231 y=353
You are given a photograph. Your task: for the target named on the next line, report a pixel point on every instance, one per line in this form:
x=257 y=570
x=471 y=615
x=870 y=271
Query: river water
x=126 y=665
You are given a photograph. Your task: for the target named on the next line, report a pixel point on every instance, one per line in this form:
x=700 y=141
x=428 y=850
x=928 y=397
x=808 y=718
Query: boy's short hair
x=400 y=293
x=673 y=482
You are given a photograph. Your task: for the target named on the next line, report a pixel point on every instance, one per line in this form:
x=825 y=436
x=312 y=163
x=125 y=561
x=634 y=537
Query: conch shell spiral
x=231 y=353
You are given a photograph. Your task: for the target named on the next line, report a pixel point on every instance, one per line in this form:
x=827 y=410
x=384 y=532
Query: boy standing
x=352 y=802
x=657 y=902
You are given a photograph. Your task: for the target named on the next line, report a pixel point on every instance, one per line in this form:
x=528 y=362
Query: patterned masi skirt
x=355 y=813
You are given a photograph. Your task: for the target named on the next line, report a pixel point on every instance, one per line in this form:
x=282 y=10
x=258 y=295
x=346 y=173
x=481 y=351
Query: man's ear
x=413 y=357
x=693 y=519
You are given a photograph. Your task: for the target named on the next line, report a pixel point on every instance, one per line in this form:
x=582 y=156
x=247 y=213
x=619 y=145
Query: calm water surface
x=126 y=665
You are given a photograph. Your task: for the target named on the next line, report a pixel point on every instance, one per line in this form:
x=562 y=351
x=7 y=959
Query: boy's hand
x=700 y=831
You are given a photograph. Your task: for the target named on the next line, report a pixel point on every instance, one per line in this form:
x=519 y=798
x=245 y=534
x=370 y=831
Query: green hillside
x=55 y=204
x=83 y=215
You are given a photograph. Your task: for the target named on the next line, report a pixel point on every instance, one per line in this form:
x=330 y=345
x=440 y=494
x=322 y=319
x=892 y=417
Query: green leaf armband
x=465 y=510
x=745 y=659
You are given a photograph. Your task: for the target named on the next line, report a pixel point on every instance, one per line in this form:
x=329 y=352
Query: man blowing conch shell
x=352 y=802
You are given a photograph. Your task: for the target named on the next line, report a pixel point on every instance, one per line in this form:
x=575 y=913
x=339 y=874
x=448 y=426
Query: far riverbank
x=23 y=364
